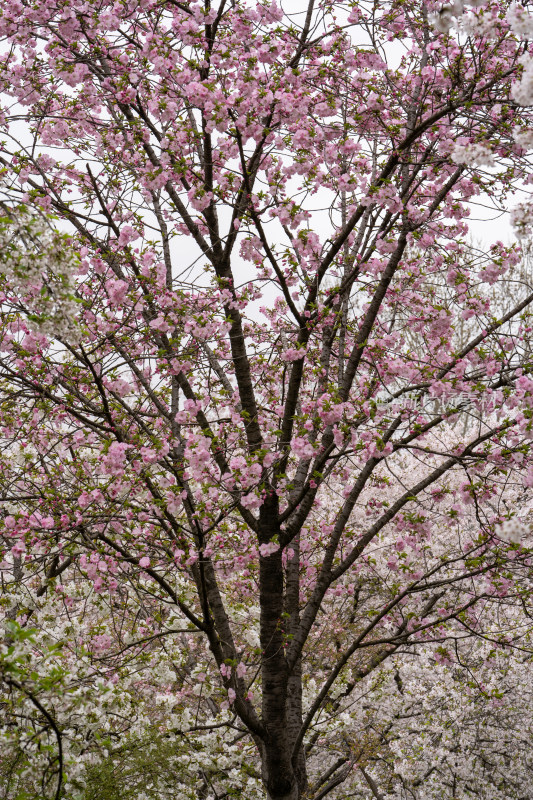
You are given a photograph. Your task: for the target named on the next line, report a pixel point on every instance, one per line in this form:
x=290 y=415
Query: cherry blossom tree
x=216 y=423
x=455 y=730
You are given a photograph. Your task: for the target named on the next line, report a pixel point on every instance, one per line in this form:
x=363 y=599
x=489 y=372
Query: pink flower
x=199 y=198
x=292 y=354
x=160 y=324
x=19 y=548
x=84 y=500
x=113 y=461
x=127 y=235
x=144 y=561
x=267 y=549
x=116 y=291
x=148 y=455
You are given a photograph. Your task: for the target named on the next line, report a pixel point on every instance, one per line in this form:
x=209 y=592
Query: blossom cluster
x=40 y=266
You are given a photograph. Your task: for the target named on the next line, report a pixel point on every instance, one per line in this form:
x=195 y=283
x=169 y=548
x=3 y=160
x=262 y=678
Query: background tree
x=219 y=437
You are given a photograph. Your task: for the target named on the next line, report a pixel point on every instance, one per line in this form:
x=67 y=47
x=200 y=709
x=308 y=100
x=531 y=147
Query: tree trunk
x=280 y=690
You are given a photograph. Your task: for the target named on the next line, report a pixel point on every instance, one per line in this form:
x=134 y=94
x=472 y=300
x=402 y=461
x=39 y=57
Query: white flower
x=522 y=91
x=522 y=219
x=524 y=137
x=40 y=269
x=520 y=20
x=480 y=25
x=442 y=21
x=456 y=8
x=472 y=154
x=512 y=531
